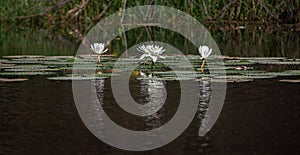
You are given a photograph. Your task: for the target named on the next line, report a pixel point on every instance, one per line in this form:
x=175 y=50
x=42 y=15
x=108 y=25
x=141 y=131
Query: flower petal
x=204 y=51
x=104 y=51
x=154 y=58
x=161 y=57
x=209 y=52
x=92 y=47
x=143 y=56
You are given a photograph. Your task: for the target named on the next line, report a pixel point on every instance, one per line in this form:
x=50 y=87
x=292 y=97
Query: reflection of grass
x=251 y=42
x=32 y=42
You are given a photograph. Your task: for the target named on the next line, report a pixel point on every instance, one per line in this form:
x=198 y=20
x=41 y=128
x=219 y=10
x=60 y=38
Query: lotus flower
x=205 y=52
x=156 y=50
x=99 y=48
x=151 y=51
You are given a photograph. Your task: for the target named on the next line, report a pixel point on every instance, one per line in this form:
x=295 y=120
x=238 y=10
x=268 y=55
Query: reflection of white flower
x=142 y=74
x=98 y=48
x=151 y=51
x=204 y=52
x=156 y=93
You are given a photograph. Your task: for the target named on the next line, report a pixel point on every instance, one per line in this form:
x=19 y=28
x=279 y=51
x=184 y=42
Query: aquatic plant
x=60 y=68
x=205 y=52
x=13 y=80
x=99 y=48
x=151 y=51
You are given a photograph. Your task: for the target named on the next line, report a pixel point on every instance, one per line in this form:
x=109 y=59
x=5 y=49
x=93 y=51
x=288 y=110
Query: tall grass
x=72 y=19
x=59 y=11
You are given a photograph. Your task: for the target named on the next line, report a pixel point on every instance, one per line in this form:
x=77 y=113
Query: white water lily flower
x=151 y=51
x=98 y=48
x=144 y=49
x=204 y=52
x=156 y=49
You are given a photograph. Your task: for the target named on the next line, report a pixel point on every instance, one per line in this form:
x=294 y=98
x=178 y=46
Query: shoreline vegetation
x=74 y=18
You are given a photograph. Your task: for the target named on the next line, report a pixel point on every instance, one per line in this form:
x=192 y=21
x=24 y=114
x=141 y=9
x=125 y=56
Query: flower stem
x=202 y=66
x=99 y=59
x=152 y=64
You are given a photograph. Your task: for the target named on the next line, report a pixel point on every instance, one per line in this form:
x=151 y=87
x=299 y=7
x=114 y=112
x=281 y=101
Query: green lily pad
x=238 y=63
x=94 y=58
x=290 y=81
x=49 y=58
x=243 y=72
x=26 y=73
x=67 y=78
x=261 y=58
x=165 y=78
x=3 y=61
x=271 y=74
x=6 y=65
x=13 y=80
x=32 y=70
x=80 y=77
x=222 y=68
x=13 y=66
x=232 y=80
x=24 y=62
x=59 y=57
x=279 y=63
x=293 y=72
x=82 y=68
x=23 y=56
x=245 y=77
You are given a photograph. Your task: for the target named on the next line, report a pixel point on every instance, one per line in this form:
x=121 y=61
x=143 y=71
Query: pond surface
x=260 y=117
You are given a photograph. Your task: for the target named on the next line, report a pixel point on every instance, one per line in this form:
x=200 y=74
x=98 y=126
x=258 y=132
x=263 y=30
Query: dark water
x=40 y=117
x=261 y=117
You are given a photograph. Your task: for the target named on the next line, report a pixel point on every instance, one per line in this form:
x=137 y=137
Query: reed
x=85 y=11
x=72 y=19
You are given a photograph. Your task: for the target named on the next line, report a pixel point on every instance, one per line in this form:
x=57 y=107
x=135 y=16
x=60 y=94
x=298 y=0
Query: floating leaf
x=26 y=73
x=293 y=72
x=261 y=58
x=238 y=63
x=23 y=56
x=286 y=73
x=83 y=76
x=165 y=78
x=232 y=80
x=3 y=61
x=13 y=66
x=32 y=70
x=6 y=65
x=290 y=81
x=70 y=78
x=12 y=80
x=243 y=72
x=244 y=77
x=279 y=63
x=24 y=62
